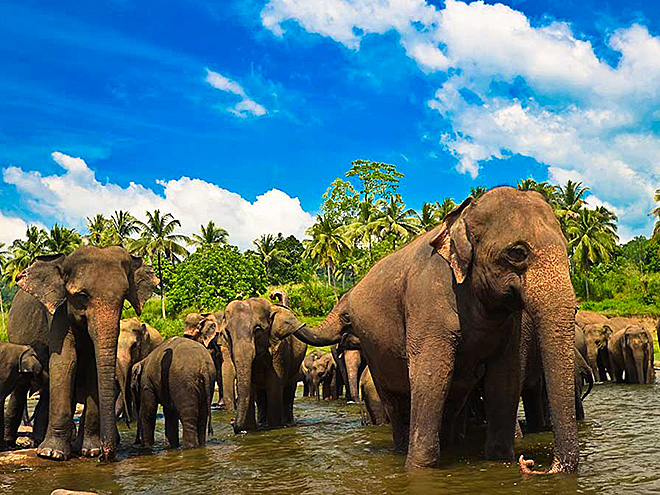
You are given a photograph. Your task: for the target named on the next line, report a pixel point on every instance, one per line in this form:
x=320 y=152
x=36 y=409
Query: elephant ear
x=44 y=279
x=142 y=283
x=452 y=243
x=24 y=360
x=210 y=329
x=283 y=322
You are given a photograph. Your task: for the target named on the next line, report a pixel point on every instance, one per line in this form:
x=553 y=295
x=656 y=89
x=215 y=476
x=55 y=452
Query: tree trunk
x=162 y=288
x=586 y=283
x=331 y=272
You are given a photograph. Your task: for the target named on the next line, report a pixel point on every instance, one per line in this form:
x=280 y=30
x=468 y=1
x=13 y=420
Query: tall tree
x=548 y=191
x=568 y=203
x=24 y=251
x=62 y=240
x=122 y=226
x=361 y=231
x=592 y=239
x=268 y=252
x=477 y=192
x=378 y=179
x=428 y=217
x=327 y=244
x=340 y=201
x=397 y=220
x=98 y=230
x=210 y=235
x=445 y=208
x=157 y=239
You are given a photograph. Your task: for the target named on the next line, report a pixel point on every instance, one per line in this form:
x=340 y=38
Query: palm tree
x=548 y=191
x=445 y=208
x=428 y=218
x=362 y=229
x=62 y=240
x=210 y=235
x=24 y=251
x=122 y=226
x=396 y=220
x=157 y=239
x=477 y=192
x=592 y=239
x=569 y=201
x=98 y=230
x=268 y=252
x=327 y=244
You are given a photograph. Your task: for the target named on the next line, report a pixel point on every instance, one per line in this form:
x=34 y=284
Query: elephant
x=596 y=337
x=583 y=318
x=449 y=302
x=267 y=360
x=631 y=351
x=20 y=366
x=324 y=373
x=350 y=365
x=375 y=413
x=72 y=305
x=180 y=375
x=136 y=341
x=205 y=328
x=305 y=375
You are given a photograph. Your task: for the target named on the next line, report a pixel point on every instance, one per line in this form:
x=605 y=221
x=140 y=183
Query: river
x=328 y=451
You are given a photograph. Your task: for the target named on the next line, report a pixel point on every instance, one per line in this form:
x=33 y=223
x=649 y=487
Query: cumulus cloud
x=515 y=88
x=243 y=108
x=76 y=194
x=11 y=228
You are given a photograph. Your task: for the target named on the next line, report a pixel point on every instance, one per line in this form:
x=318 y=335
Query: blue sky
x=245 y=111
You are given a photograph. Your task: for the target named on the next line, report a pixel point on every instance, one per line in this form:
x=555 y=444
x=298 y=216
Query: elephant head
x=638 y=349
x=202 y=327
x=28 y=362
x=507 y=252
x=90 y=286
x=322 y=369
x=136 y=341
x=252 y=329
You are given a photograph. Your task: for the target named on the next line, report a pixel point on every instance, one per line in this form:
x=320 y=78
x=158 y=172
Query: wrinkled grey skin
x=205 y=328
x=450 y=302
x=631 y=352
x=72 y=306
x=180 y=376
x=136 y=341
x=375 y=412
x=324 y=374
x=305 y=375
x=267 y=360
x=19 y=367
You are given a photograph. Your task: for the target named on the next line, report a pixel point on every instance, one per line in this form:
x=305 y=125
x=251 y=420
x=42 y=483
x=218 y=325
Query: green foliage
x=167 y=327
x=212 y=276
x=309 y=298
x=340 y=201
x=377 y=179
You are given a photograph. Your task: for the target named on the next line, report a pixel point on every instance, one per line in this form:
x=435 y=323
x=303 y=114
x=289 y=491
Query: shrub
x=309 y=298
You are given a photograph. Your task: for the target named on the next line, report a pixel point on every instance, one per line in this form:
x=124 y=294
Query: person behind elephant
x=631 y=353
x=136 y=341
x=324 y=376
x=375 y=413
x=20 y=366
x=72 y=305
x=429 y=315
x=305 y=375
x=267 y=360
x=179 y=374
x=205 y=328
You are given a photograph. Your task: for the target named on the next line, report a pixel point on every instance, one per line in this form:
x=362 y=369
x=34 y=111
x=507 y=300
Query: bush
x=212 y=276
x=310 y=298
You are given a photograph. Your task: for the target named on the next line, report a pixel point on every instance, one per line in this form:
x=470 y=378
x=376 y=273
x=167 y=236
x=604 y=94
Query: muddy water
x=329 y=452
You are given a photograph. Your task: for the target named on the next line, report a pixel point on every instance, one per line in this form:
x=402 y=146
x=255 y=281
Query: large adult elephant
x=136 y=341
x=205 y=329
x=267 y=360
x=449 y=303
x=631 y=351
x=73 y=305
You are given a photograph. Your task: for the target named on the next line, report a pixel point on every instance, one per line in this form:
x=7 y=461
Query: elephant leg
x=15 y=408
x=228 y=387
x=275 y=406
x=289 y=397
x=305 y=388
x=501 y=396
x=171 y=427
x=190 y=423
x=91 y=428
x=397 y=407
x=262 y=407
x=41 y=417
x=202 y=421
x=62 y=370
x=148 y=409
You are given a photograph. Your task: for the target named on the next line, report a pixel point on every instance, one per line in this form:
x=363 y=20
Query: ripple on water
x=329 y=452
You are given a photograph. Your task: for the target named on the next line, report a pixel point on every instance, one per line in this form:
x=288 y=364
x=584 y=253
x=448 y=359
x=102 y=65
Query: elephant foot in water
x=55 y=448
x=91 y=445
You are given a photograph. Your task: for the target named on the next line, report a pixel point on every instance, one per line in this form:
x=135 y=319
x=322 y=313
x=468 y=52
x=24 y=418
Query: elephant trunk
x=243 y=354
x=353 y=360
x=550 y=301
x=327 y=333
x=123 y=379
x=103 y=324
x=640 y=357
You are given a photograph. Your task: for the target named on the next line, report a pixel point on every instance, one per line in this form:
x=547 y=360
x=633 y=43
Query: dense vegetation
x=362 y=218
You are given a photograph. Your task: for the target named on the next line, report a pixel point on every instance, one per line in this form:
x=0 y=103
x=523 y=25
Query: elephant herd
x=448 y=333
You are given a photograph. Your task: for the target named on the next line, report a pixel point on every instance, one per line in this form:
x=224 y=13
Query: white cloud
x=583 y=118
x=242 y=108
x=76 y=194
x=11 y=228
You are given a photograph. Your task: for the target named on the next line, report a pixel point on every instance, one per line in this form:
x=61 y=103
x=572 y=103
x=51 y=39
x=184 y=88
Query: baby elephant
x=18 y=364
x=179 y=374
x=324 y=373
x=631 y=351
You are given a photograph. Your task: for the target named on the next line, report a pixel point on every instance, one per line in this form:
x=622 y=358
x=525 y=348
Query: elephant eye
x=80 y=299
x=517 y=254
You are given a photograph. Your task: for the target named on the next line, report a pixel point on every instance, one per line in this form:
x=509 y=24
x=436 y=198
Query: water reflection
x=329 y=452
